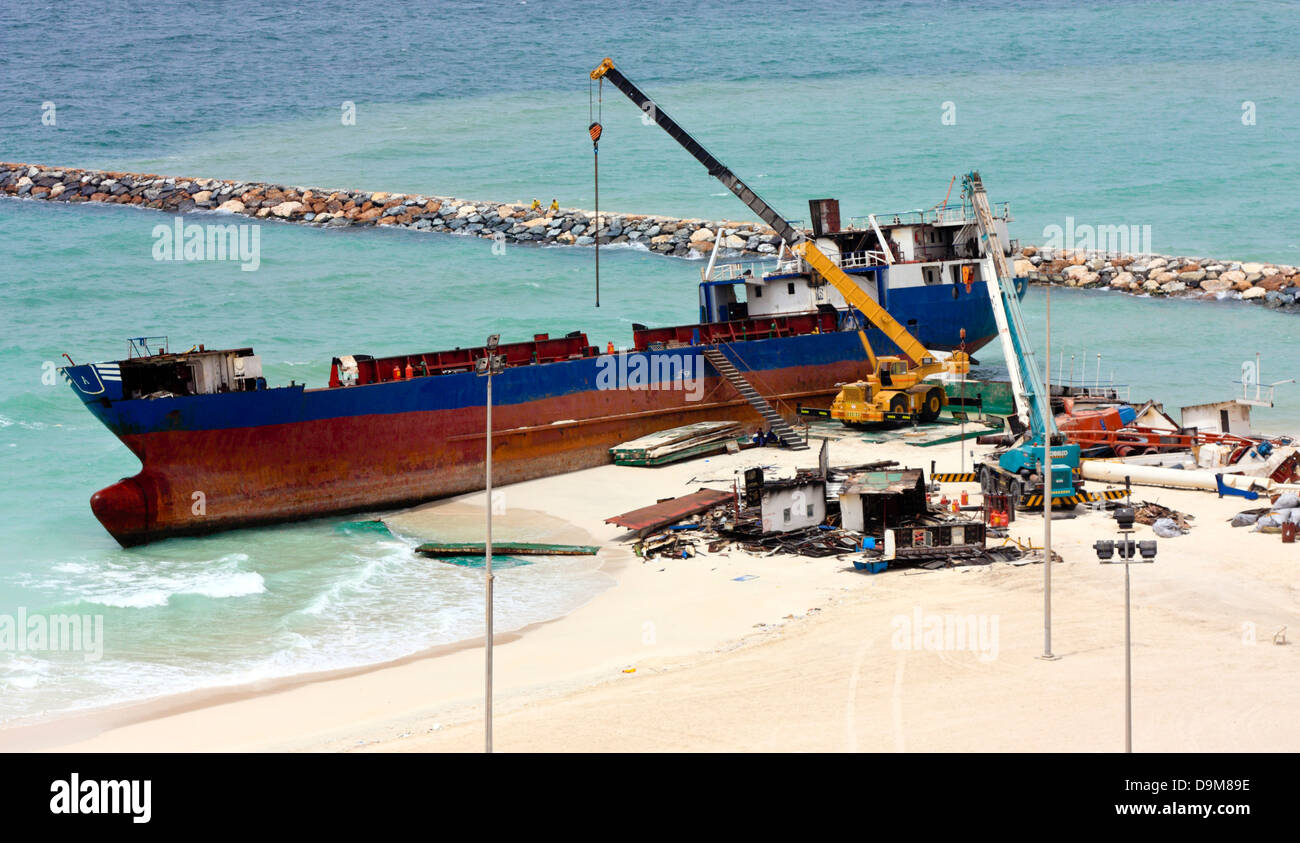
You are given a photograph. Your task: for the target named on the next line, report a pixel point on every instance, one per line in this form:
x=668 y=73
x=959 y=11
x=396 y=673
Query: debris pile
x=876 y=515
x=1282 y=517
x=1148 y=513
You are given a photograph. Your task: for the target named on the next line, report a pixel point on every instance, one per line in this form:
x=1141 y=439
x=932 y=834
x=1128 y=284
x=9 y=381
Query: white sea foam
x=393 y=606
x=240 y=584
x=7 y=421
x=138 y=587
x=338 y=588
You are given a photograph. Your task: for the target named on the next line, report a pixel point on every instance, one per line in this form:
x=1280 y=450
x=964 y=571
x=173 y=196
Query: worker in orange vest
x=609 y=347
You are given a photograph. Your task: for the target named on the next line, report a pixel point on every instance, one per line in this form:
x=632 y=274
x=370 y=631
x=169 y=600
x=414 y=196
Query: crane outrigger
x=896 y=389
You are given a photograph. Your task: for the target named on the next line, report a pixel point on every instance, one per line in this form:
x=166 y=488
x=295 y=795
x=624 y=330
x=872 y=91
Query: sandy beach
x=738 y=652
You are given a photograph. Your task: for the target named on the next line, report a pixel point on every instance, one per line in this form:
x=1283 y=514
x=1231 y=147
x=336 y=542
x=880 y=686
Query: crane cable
x=595 y=130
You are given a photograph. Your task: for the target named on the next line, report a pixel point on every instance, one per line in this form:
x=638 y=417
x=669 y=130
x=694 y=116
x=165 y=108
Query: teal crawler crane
x=1018 y=470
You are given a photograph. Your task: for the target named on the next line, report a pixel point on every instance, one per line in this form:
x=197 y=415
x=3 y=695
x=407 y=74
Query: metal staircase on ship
x=787 y=434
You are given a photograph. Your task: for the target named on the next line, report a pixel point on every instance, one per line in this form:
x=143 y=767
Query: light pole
x=1047 y=488
x=488 y=365
x=1127 y=550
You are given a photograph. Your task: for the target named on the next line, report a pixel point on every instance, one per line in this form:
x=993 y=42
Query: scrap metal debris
x=1148 y=513
x=648 y=519
x=926 y=537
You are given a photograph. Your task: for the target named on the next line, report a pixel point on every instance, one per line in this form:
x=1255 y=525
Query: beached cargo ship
x=221 y=449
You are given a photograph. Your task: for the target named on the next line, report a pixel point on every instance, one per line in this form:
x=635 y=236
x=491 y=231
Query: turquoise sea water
x=1113 y=113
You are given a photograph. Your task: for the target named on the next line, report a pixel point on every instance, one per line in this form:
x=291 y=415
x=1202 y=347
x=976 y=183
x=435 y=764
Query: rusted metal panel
x=650 y=518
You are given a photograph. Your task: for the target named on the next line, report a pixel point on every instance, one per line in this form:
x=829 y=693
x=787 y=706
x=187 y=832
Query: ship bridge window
x=789 y=288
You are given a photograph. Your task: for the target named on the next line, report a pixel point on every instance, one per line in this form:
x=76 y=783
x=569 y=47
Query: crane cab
x=893 y=373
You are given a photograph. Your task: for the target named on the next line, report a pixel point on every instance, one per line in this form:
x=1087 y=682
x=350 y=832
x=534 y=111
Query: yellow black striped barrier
x=1032 y=501
x=967 y=477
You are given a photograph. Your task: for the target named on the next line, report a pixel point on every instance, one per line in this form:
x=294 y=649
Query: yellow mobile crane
x=895 y=389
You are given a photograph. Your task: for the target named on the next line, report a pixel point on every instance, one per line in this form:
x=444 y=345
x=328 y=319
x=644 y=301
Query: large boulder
x=286 y=209
x=1254 y=293
x=1216 y=285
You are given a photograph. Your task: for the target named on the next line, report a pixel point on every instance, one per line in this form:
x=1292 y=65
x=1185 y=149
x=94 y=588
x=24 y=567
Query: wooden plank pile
x=680 y=443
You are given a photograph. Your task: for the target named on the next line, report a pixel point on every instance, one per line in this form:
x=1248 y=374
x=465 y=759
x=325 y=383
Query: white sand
x=806 y=656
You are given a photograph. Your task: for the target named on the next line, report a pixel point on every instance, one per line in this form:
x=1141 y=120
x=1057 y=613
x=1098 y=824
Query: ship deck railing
x=755 y=270
x=1092 y=389
x=957 y=214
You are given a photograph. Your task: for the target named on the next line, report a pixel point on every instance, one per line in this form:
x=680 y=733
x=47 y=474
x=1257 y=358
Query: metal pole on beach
x=1128 y=552
x=1047 y=489
x=487 y=557
x=490 y=364
x=1128 y=665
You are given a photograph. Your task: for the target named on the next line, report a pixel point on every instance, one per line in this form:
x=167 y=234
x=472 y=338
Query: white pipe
x=1172 y=478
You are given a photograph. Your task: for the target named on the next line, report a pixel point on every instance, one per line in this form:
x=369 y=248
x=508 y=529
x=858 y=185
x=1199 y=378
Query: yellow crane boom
x=856 y=297
x=795 y=239
x=893 y=391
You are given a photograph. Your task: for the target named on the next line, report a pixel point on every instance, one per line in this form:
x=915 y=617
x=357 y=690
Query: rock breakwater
x=504 y=222
x=1266 y=284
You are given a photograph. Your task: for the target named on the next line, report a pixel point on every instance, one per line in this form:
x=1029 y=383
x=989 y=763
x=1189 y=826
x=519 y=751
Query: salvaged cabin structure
x=871 y=500
x=787 y=505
